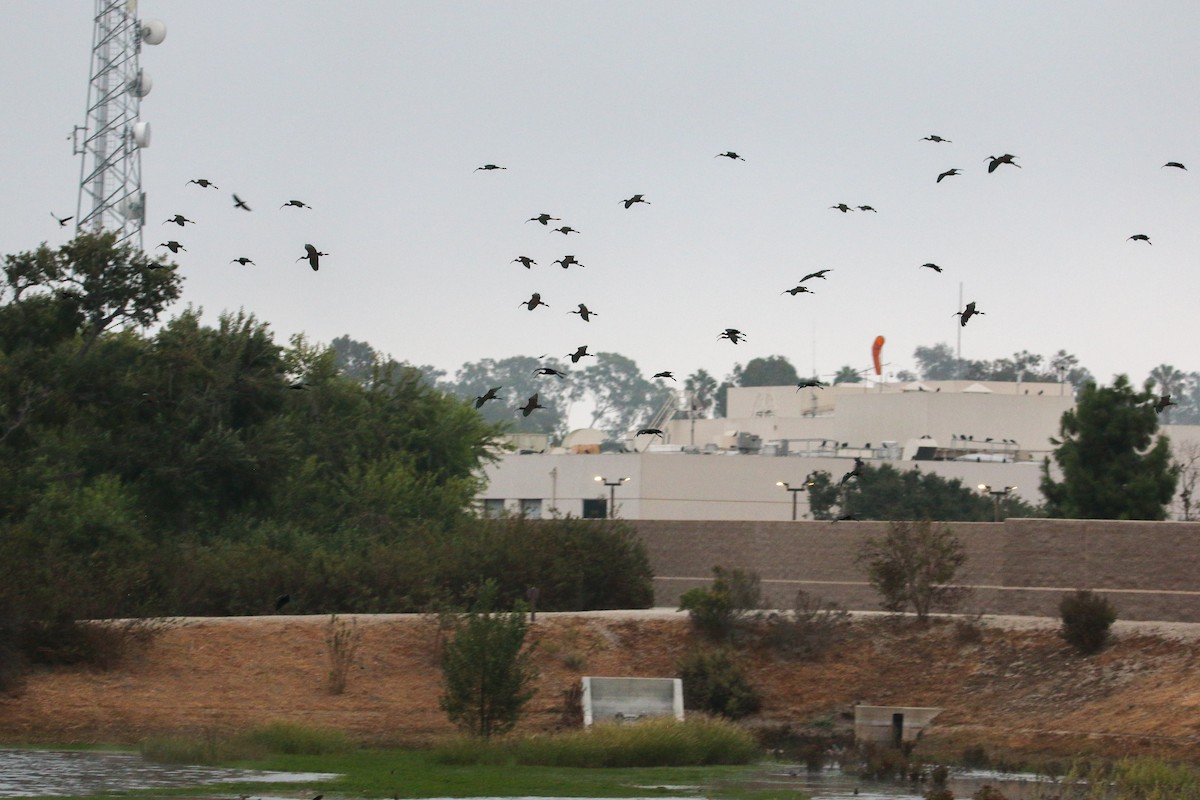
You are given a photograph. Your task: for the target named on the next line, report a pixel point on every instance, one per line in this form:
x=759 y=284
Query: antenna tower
x=112 y=137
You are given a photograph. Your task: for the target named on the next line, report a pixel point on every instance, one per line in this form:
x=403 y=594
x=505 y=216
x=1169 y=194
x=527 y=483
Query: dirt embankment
x=1008 y=690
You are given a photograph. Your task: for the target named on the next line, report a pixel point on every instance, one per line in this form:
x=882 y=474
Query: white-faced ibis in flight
x=651 y=432
x=931 y=266
x=1160 y=405
x=947 y=174
x=933 y=137
x=1174 y=164
x=966 y=313
x=240 y=203
x=533 y=302
x=732 y=156
x=797 y=290
x=732 y=334
x=665 y=374
x=818 y=274
x=550 y=371
x=810 y=383
x=854 y=473
x=62 y=221
x=584 y=312
x=580 y=352
x=1140 y=237
x=180 y=220
x=637 y=198
x=524 y=261
x=173 y=246
x=545 y=219
x=313 y=256
x=842 y=207
x=996 y=161
x=867 y=208
x=296 y=204
x=204 y=182
x=530 y=404
x=488 y=168
x=490 y=394
x=565 y=230
x=567 y=261
x=243 y=261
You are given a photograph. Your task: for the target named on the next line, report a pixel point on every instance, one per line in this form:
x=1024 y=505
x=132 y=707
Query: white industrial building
x=982 y=432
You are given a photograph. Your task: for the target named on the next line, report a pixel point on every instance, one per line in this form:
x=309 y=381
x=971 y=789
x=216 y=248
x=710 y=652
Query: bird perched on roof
x=488 y=167
x=966 y=313
x=933 y=137
x=531 y=404
x=584 y=312
x=240 y=203
x=651 y=432
x=842 y=207
x=931 y=266
x=567 y=261
x=665 y=374
x=732 y=156
x=1160 y=405
x=867 y=208
x=180 y=220
x=62 y=221
x=732 y=334
x=173 y=246
x=533 y=302
x=550 y=371
x=797 y=290
x=565 y=230
x=818 y=274
x=545 y=219
x=524 y=261
x=810 y=383
x=637 y=198
x=996 y=161
x=490 y=394
x=243 y=261
x=313 y=256
x=580 y=352
x=947 y=174
x=1174 y=164
x=854 y=473
x=204 y=182
x=1140 y=237
x=296 y=204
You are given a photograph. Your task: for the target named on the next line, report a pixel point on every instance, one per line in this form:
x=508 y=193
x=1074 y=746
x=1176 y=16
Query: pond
x=49 y=773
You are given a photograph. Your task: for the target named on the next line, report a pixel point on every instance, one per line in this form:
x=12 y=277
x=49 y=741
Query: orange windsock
x=876 y=349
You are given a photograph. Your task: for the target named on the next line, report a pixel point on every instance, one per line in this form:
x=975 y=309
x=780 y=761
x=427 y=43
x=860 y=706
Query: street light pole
x=612 y=493
x=795 y=490
x=996 y=495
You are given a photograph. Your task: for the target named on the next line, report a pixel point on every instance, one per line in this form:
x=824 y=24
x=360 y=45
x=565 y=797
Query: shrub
x=1086 y=619
x=275 y=738
x=725 y=608
x=809 y=629
x=713 y=682
x=342 y=640
x=913 y=565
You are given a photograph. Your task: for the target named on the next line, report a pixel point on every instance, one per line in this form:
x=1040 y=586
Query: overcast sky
x=377 y=114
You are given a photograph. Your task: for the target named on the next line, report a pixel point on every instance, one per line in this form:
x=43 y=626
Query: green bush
x=713 y=682
x=275 y=738
x=810 y=628
x=1086 y=619
x=730 y=606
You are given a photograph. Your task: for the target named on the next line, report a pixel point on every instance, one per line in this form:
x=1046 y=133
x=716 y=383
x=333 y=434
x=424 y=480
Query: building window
x=493 y=507
x=531 y=509
x=595 y=509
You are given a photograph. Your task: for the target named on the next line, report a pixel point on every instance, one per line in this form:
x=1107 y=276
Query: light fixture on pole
x=795 y=490
x=996 y=494
x=612 y=492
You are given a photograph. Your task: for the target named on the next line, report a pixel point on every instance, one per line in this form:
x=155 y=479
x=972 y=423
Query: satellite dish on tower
x=140 y=84
x=153 y=31
x=141 y=134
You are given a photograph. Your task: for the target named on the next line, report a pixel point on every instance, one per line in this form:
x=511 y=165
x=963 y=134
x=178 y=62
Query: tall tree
x=622 y=399
x=1113 y=466
x=848 y=374
x=518 y=380
x=702 y=387
x=1166 y=380
x=769 y=371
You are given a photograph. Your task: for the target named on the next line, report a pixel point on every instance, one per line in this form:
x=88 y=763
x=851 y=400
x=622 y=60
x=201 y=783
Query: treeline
x=208 y=470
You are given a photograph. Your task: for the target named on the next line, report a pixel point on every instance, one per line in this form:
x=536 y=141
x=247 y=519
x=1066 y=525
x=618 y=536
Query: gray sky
x=377 y=113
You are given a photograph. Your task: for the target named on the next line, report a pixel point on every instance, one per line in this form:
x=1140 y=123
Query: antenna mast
x=112 y=136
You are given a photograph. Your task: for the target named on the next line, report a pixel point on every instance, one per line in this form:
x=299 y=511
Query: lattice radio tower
x=112 y=137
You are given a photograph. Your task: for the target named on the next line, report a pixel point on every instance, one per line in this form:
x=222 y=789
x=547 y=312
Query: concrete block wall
x=1149 y=570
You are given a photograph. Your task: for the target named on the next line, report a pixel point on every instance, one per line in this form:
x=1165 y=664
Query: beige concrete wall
x=1147 y=569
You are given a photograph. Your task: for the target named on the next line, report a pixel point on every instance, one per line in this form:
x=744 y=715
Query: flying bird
x=173 y=246
x=524 y=261
x=810 y=383
x=931 y=266
x=243 y=261
x=651 y=432
x=732 y=156
x=531 y=404
x=665 y=374
x=732 y=334
x=867 y=208
x=533 y=302
x=842 y=207
x=565 y=230
x=1161 y=404
x=818 y=274
x=488 y=167
x=567 y=261
x=545 y=219
x=282 y=601
x=579 y=353
x=966 y=313
x=490 y=394
x=313 y=255
x=180 y=220
x=204 y=182
x=797 y=290
x=854 y=473
x=947 y=174
x=550 y=371
x=240 y=203
x=933 y=137
x=62 y=221
x=1140 y=237
x=297 y=204
x=584 y=312
x=637 y=198
x=1174 y=164
x=1007 y=158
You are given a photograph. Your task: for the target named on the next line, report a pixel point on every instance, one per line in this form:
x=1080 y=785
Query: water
x=50 y=773
x=833 y=784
